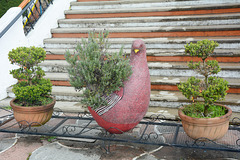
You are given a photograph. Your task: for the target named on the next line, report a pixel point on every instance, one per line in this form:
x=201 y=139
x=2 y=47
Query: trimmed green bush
x=210 y=88
x=32 y=89
x=94 y=68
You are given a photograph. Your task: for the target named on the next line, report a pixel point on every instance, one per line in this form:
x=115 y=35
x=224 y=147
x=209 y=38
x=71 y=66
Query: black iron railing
x=31 y=14
x=155 y=130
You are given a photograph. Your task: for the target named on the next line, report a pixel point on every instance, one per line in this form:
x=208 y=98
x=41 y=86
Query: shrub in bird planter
x=33 y=104
x=106 y=80
x=208 y=89
x=96 y=70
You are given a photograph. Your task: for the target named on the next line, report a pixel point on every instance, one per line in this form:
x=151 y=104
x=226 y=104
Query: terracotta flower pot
x=211 y=128
x=33 y=116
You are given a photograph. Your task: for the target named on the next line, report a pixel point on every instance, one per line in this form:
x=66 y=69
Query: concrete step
x=172 y=58
x=151 y=43
x=157 y=82
x=144 y=1
x=154 y=11
x=228 y=70
x=174 y=99
x=153 y=32
x=142 y=4
x=163 y=21
x=158 y=99
x=155 y=7
x=54 y=53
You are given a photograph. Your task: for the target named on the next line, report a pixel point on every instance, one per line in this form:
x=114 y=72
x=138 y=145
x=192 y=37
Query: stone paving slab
x=22 y=148
x=57 y=151
x=35 y=149
x=172 y=153
x=7 y=141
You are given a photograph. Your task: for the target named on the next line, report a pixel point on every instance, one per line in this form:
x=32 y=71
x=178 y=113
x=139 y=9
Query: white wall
x=15 y=37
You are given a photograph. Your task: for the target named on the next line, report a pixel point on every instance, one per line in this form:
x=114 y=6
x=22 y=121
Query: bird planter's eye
x=136 y=50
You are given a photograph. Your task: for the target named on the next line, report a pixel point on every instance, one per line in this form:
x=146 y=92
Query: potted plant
x=106 y=79
x=204 y=119
x=33 y=105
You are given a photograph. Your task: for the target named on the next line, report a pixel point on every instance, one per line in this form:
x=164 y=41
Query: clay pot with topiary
x=204 y=118
x=33 y=105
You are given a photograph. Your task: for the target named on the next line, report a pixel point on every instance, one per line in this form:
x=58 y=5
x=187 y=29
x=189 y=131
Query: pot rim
x=201 y=120
x=33 y=108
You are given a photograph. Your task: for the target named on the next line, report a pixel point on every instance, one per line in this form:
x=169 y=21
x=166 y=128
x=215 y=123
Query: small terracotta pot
x=33 y=116
x=211 y=128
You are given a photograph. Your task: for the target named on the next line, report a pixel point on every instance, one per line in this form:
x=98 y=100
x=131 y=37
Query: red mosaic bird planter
x=128 y=106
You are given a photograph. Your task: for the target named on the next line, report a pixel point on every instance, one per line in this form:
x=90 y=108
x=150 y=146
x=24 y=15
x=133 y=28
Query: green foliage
x=196 y=110
x=30 y=95
x=201 y=49
x=191 y=88
x=32 y=89
x=93 y=67
x=48 y=138
x=206 y=68
x=211 y=88
x=6 y=4
x=7 y=108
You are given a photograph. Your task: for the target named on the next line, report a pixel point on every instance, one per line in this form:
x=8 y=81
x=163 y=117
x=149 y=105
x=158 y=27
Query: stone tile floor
x=21 y=147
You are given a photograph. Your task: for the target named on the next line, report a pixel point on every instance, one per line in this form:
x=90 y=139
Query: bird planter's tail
x=112 y=100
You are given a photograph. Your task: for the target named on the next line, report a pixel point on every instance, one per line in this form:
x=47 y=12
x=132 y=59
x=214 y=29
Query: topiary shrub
x=32 y=89
x=92 y=67
x=210 y=88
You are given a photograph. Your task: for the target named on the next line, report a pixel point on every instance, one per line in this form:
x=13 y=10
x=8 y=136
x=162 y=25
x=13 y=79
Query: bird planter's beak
x=136 y=50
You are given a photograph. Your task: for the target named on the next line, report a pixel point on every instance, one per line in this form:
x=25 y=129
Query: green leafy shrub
x=6 y=4
x=210 y=88
x=93 y=67
x=196 y=110
x=32 y=89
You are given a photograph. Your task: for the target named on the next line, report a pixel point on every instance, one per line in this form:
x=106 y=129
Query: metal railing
x=154 y=130
x=31 y=13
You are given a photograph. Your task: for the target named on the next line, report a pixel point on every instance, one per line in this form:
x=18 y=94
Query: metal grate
x=154 y=131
